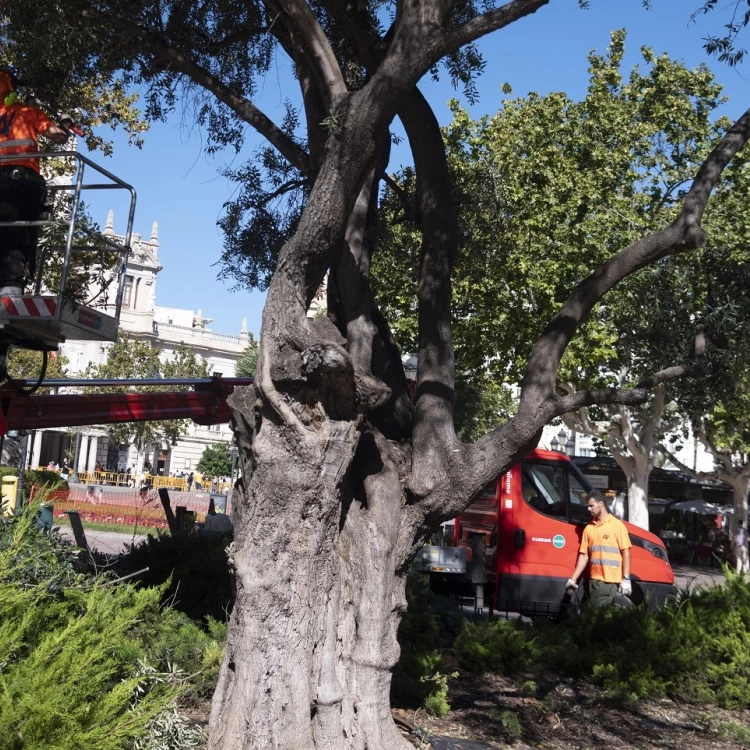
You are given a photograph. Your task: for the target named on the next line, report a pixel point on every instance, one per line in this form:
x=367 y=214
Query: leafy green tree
x=248 y=360
x=216 y=461
x=131 y=358
x=718 y=408
x=26 y=364
x=605 y=169
x=343 y=477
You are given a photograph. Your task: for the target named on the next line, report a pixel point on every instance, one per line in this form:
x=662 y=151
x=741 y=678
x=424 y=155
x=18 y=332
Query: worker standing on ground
x=22 y=189
x=740 y=548
x=605 y=546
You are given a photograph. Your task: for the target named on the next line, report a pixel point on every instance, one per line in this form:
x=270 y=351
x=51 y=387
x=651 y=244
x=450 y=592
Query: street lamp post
x=563 y=443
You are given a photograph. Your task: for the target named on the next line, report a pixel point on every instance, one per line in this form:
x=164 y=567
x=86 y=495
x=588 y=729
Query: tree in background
x=26 y=364
x=248 y=360
x=604 y=169
x=216 y=461
x=131 y=358
x=343 y=477
x=718 y=408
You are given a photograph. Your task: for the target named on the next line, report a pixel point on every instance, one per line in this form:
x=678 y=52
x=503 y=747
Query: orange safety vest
x=604 y=542
x=20 y=126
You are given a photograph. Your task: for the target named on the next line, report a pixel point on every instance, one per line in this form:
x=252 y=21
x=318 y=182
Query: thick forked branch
x=243 y=108
x=682 y=235
x=433 y=434
x=317 y=50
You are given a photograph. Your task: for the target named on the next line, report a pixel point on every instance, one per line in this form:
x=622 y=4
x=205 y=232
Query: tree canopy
x=132 y=358
x=216 y=461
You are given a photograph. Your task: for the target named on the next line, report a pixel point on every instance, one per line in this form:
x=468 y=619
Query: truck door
x=548 y=506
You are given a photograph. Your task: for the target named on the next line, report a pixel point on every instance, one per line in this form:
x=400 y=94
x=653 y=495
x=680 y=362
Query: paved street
x=693 y=576
x=107 y=542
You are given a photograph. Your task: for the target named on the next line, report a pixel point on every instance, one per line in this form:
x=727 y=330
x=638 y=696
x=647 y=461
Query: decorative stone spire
x=110 y=227
x=244 y=336
x=155 y=234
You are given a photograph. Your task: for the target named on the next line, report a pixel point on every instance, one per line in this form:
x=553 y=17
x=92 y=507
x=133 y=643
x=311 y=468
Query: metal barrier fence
x=121 y=508
x=121 y=479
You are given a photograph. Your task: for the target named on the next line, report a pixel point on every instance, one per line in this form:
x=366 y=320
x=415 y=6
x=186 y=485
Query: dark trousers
x=602 y=594
x=21 y=199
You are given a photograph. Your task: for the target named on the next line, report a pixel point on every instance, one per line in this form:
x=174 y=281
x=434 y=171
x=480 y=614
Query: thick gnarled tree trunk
x=320 y=559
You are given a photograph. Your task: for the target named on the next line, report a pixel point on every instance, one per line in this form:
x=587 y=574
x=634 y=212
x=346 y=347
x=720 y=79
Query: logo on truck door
x=557 y=541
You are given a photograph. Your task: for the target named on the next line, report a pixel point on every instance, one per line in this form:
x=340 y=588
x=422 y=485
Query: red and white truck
x=527 y=528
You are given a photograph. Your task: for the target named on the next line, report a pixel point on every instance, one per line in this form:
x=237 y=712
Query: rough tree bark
x=631 y=435
x=342 y=478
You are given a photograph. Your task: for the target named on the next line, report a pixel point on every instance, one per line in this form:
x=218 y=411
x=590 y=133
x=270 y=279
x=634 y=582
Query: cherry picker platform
x=48 y=316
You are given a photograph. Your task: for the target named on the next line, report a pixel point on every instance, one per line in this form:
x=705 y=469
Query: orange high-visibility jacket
x=604 y=542
x=20 y=126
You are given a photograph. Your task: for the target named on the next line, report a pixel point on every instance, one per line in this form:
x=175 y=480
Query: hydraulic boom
x=205 y=403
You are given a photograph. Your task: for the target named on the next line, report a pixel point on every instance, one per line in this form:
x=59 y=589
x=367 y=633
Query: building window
x=188 y=463
x=127 y=292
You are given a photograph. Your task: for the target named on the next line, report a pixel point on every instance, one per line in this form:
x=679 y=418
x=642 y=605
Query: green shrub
x=40 y=478
x=430 y=624
x=698 y=650
x=509 y=722
x=195 y=569
x=83 y=663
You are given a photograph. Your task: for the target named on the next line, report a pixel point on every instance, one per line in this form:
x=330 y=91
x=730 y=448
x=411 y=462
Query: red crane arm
x=206 y=404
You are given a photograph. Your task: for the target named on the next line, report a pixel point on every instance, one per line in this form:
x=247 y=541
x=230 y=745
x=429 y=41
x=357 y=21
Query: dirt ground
x=491 y=711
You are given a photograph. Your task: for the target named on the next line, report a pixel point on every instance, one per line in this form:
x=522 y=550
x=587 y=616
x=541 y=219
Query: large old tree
x=343 y=476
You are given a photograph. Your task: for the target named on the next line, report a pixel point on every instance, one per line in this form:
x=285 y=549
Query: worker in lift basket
x=22 y=189
x=605 y=545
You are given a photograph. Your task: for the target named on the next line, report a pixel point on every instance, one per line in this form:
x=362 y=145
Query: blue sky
x=179 y=186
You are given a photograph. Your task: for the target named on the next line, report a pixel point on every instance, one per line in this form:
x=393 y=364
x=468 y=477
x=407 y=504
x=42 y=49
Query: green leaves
x=548 y=189
x=248 y=360
x=216 y=461
x=137 y=359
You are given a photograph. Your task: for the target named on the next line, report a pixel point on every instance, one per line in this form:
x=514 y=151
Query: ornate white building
x=165 y=328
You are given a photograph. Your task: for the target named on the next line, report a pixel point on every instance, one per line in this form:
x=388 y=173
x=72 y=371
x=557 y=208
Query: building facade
x=165 y=328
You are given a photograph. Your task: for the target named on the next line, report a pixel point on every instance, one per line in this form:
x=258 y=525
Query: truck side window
x=577 y=494
x=542 y=487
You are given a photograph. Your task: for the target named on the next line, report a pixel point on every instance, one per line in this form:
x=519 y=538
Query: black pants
x=20 y=200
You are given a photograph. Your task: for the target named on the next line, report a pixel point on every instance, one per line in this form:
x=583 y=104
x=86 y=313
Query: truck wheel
x=622 y=601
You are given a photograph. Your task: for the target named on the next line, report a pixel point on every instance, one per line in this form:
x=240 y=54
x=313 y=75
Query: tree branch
x=712 y=448
x=242 y=107
x=682 y=235
x=486 y=23
x=433 y=434
x=686 y=469
x=318 y=51
x=582 y=419
x=403 y=198
x=627 y=396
